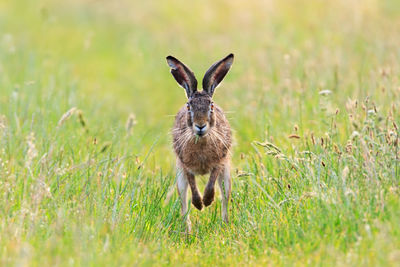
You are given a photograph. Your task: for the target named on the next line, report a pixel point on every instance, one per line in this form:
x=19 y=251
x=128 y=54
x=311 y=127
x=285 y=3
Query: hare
x=201 y=137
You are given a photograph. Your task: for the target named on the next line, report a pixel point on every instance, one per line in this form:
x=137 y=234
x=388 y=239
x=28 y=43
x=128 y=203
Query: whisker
x=184 y=137
x=213 y=140
x=221 y=139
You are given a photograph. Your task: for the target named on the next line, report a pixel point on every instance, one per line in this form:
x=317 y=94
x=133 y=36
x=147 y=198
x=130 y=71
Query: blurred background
x=87 y=102
x=108 y=59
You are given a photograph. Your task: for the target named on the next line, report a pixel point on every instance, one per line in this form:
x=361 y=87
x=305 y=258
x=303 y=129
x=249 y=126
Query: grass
x=87 y=102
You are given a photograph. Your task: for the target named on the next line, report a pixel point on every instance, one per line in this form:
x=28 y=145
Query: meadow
x=87 y=171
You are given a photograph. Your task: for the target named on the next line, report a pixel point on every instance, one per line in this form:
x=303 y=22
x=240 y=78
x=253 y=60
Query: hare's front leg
x=196 y=198
x=209 y=191
x=182 y=185
x=224 y=181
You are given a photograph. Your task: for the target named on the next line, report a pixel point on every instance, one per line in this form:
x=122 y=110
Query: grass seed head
x=32 y=151
x=3 y=122
x=105 y=146
x=66 y=116
x=81 y=119
x=131 y=121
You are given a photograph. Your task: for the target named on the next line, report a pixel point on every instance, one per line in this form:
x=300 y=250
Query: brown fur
x=209 y=191
x=202 y=136
x=209 y=151
x=202 y=155
x=196 y=198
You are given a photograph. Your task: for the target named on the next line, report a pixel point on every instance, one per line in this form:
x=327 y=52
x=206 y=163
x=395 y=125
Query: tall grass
x=87 y=102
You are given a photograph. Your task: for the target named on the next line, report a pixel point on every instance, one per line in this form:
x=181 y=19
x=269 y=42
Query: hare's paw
x=208 y=197
x=196 y=200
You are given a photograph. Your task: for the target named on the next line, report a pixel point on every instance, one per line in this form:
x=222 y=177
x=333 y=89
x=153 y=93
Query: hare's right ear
x=183 y=75
x=216 y=74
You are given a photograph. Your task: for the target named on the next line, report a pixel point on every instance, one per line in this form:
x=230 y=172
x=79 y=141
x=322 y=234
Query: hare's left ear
x=216 y=74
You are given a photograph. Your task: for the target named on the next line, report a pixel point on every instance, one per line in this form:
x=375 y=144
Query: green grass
x=85 y=191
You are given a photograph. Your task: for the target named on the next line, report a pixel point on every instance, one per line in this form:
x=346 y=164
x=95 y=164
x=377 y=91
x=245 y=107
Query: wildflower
x=354 y=135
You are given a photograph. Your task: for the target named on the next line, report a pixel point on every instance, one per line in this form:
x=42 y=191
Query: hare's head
x=200 y=115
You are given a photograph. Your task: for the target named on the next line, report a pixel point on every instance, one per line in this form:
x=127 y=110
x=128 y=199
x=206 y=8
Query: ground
x=87 y=103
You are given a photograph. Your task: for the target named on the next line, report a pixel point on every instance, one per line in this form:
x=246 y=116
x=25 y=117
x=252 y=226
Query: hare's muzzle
x=200 y=130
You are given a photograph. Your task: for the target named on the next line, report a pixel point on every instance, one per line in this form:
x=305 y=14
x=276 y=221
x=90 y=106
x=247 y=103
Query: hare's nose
x=200 y=127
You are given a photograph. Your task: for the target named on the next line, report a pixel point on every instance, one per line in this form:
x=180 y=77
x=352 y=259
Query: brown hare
x=201 y=137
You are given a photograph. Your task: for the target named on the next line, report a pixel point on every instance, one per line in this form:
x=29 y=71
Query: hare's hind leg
x=182 y=185
x=224 y=181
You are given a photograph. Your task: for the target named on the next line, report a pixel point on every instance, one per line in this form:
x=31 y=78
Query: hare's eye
x=212 y=107
x=187 y=106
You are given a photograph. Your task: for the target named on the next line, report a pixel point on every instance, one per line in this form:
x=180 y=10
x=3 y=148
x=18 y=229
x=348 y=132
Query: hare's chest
x=200 y=158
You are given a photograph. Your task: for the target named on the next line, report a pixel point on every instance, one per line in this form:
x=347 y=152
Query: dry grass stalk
x=32 y=151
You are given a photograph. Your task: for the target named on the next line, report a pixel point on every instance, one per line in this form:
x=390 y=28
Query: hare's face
x=200 y=116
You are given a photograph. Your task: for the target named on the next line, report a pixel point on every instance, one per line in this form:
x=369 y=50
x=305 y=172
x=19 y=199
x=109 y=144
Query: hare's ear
x=183 y=75
x=216 y=74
